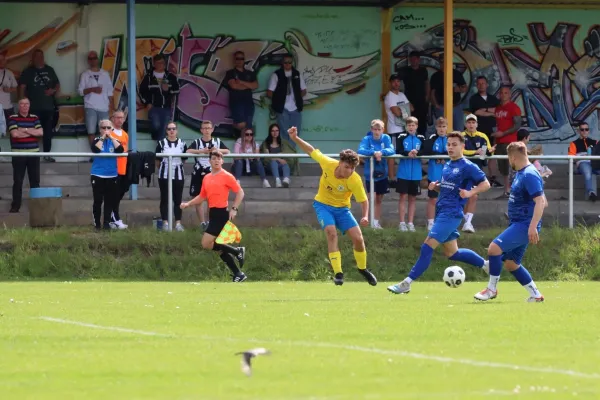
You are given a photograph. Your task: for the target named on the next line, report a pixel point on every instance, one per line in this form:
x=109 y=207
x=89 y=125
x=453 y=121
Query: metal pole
x=170 y=191
x=448 y=62
x=131 y=87
x=570 y=193
x=372 y=192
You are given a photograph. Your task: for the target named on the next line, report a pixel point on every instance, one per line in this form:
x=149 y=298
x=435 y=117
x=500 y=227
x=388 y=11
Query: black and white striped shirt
x=203 y=163
x=168 y=147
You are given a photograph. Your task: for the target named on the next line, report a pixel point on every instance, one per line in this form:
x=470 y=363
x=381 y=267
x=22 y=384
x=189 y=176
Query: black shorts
x=217 y=219
x=503 y=165
x=381 y=187
x=196 y=181
x=432 y=194
x=411 y=188
x=479 y=162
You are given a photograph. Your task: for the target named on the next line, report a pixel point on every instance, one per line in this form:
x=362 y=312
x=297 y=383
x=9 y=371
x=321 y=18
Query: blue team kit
x=368 y=146
x=409 y=169
x=436 y=145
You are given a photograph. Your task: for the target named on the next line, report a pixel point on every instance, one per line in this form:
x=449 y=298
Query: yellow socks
x=361 y=259
x=336 y=261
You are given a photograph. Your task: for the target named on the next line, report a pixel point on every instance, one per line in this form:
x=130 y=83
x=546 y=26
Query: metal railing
x=570 y=159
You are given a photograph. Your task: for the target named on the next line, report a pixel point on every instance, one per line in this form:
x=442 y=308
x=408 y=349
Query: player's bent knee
x=494 y=250
x=510 y=265
x=330 y=232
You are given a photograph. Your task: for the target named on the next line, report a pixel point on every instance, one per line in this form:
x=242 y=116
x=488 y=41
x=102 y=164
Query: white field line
x=373 y=350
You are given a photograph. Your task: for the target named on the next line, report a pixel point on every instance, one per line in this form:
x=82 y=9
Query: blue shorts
x=513 y=242
x=242 y=111
x=445 y=229
x=340 y=217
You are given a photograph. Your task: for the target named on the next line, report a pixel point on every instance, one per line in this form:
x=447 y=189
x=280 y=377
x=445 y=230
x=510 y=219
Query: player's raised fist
x=293 y=132
x=433 y=185
x=465 y=194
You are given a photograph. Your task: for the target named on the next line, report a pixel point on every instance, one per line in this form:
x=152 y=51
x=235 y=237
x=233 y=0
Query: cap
x=470 y=117
x=393 y=77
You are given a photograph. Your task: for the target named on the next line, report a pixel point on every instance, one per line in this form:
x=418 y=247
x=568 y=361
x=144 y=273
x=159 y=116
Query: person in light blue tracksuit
x=435 y=145
x=377 y=144
x=409 y=144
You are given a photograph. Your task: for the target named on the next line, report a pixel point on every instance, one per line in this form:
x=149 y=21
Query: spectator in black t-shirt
x=416 y=88
x=240 y=83
x=483 y=105
x=437 y=95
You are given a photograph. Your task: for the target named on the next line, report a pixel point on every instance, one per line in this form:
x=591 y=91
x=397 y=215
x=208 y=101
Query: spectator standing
x=483 y=105
x=278 y=167
x=240 y=83
x=377 y=144
x=40 y=84
x=416 y=87
x=25 y=130
x=203 y=146
x=508 y=122
x=581 y=147
x=286 y=90
x=104 y=174
x=8 y=85
x=118 y=119
x=97 y=89
x=435 y=146
x=250 y=166
x=3 y=121
x=171 y=145
x=410 y=144
x=476 y=144
x=437 y=95
x=158 y=91
x=398 y=109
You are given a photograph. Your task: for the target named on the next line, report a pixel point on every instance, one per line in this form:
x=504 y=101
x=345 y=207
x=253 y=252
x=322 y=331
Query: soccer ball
x=454 y=276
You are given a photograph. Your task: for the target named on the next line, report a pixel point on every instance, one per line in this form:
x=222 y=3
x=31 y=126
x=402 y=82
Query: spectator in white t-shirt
x=8 y=85
x=398 y=108
x=96 y=88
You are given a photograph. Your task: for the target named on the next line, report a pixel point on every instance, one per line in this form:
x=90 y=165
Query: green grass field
x=107 y=340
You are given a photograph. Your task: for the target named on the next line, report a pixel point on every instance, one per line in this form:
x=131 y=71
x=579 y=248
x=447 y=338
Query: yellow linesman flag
x=229 y=234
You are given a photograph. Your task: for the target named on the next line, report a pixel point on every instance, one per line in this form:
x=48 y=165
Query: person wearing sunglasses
x=248 y=166
x=97 y=89
x=105 y=174
x=286 y=90
x=580 y=147
x=240 y=83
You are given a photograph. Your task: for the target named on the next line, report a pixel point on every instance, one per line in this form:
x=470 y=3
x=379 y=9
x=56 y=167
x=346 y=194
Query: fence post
x=372 y=192
x=570 y=193
x=170 y=191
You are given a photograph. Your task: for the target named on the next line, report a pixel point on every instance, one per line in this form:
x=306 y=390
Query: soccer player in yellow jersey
x=339 y=181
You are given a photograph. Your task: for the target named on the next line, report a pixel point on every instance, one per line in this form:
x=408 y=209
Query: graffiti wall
x=551 y=58
x=336 y=50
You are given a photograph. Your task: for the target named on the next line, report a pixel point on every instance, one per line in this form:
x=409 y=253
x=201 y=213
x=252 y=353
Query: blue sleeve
x=534 y=185
x=388 y=149
x=364 y=148
x=476 y=174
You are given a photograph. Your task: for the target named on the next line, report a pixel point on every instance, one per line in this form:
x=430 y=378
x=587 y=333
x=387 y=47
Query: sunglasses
x=172 y=128
x=249 y=134
x=584 y=129
x=287 y=62
x=106 y=128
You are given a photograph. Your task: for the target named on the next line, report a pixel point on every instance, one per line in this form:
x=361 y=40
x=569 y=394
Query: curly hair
x=350 y=157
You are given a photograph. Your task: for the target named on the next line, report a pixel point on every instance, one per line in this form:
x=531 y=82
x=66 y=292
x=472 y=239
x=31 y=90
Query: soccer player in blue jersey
x=525 y=209
x=461 y=180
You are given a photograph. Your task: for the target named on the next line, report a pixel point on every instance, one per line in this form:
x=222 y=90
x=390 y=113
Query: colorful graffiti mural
x=556 y=82
x=201 y=64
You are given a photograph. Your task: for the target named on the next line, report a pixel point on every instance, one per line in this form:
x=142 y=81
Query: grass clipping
x=273 y=254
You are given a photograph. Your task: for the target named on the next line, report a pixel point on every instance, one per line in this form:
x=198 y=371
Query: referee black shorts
x=217 y=219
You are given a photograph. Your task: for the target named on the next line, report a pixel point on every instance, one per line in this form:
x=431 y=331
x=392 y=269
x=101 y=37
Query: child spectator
x=378 y=145
x=435 y=145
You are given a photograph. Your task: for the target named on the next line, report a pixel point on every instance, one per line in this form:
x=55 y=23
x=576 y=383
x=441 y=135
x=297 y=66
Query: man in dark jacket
x=157 y=90
x=286 y=90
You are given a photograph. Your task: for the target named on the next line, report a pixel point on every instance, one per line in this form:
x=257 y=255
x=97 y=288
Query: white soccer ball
x=454 y=276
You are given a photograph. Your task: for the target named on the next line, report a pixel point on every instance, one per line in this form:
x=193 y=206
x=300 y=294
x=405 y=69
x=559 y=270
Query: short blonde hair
x=378 y=122
x=441 y=121
x=412 y=120
x=517 y=148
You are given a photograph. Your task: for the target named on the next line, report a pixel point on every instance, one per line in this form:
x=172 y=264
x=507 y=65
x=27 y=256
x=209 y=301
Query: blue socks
x=422 y=263
x=469 y=257
x=522 y=275
x=495 y=265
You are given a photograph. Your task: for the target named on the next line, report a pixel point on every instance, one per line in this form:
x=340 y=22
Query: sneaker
x=400 y=288
x=120 y=224
x=266 y=184
x=338 y=279
x=179 y=228
x=402 y=227
x=241 y=277
x=494 y=183
x=49 y=159
x=377 y=225
x=286 y=182
x=112 y=225
x=429 y=226
x=593 y=197
x=486 y=294
x=106 y=226
x=486 y=266
x=203 y=225
x=411 y=227
x=532 y=299
x=165 y=226
x=467 y=227
x=278 y=183
x=13 y=210
x=369 y=277
x=241 y=256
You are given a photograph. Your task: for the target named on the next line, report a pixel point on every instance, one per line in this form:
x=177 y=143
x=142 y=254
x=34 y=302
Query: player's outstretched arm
x=305 y=146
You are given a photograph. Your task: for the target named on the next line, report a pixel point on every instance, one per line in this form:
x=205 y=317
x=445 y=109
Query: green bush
x=273 y=254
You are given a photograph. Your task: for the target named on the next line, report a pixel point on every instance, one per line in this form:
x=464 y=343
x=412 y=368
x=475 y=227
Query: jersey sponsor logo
x=455 y=170
x=341 y=188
